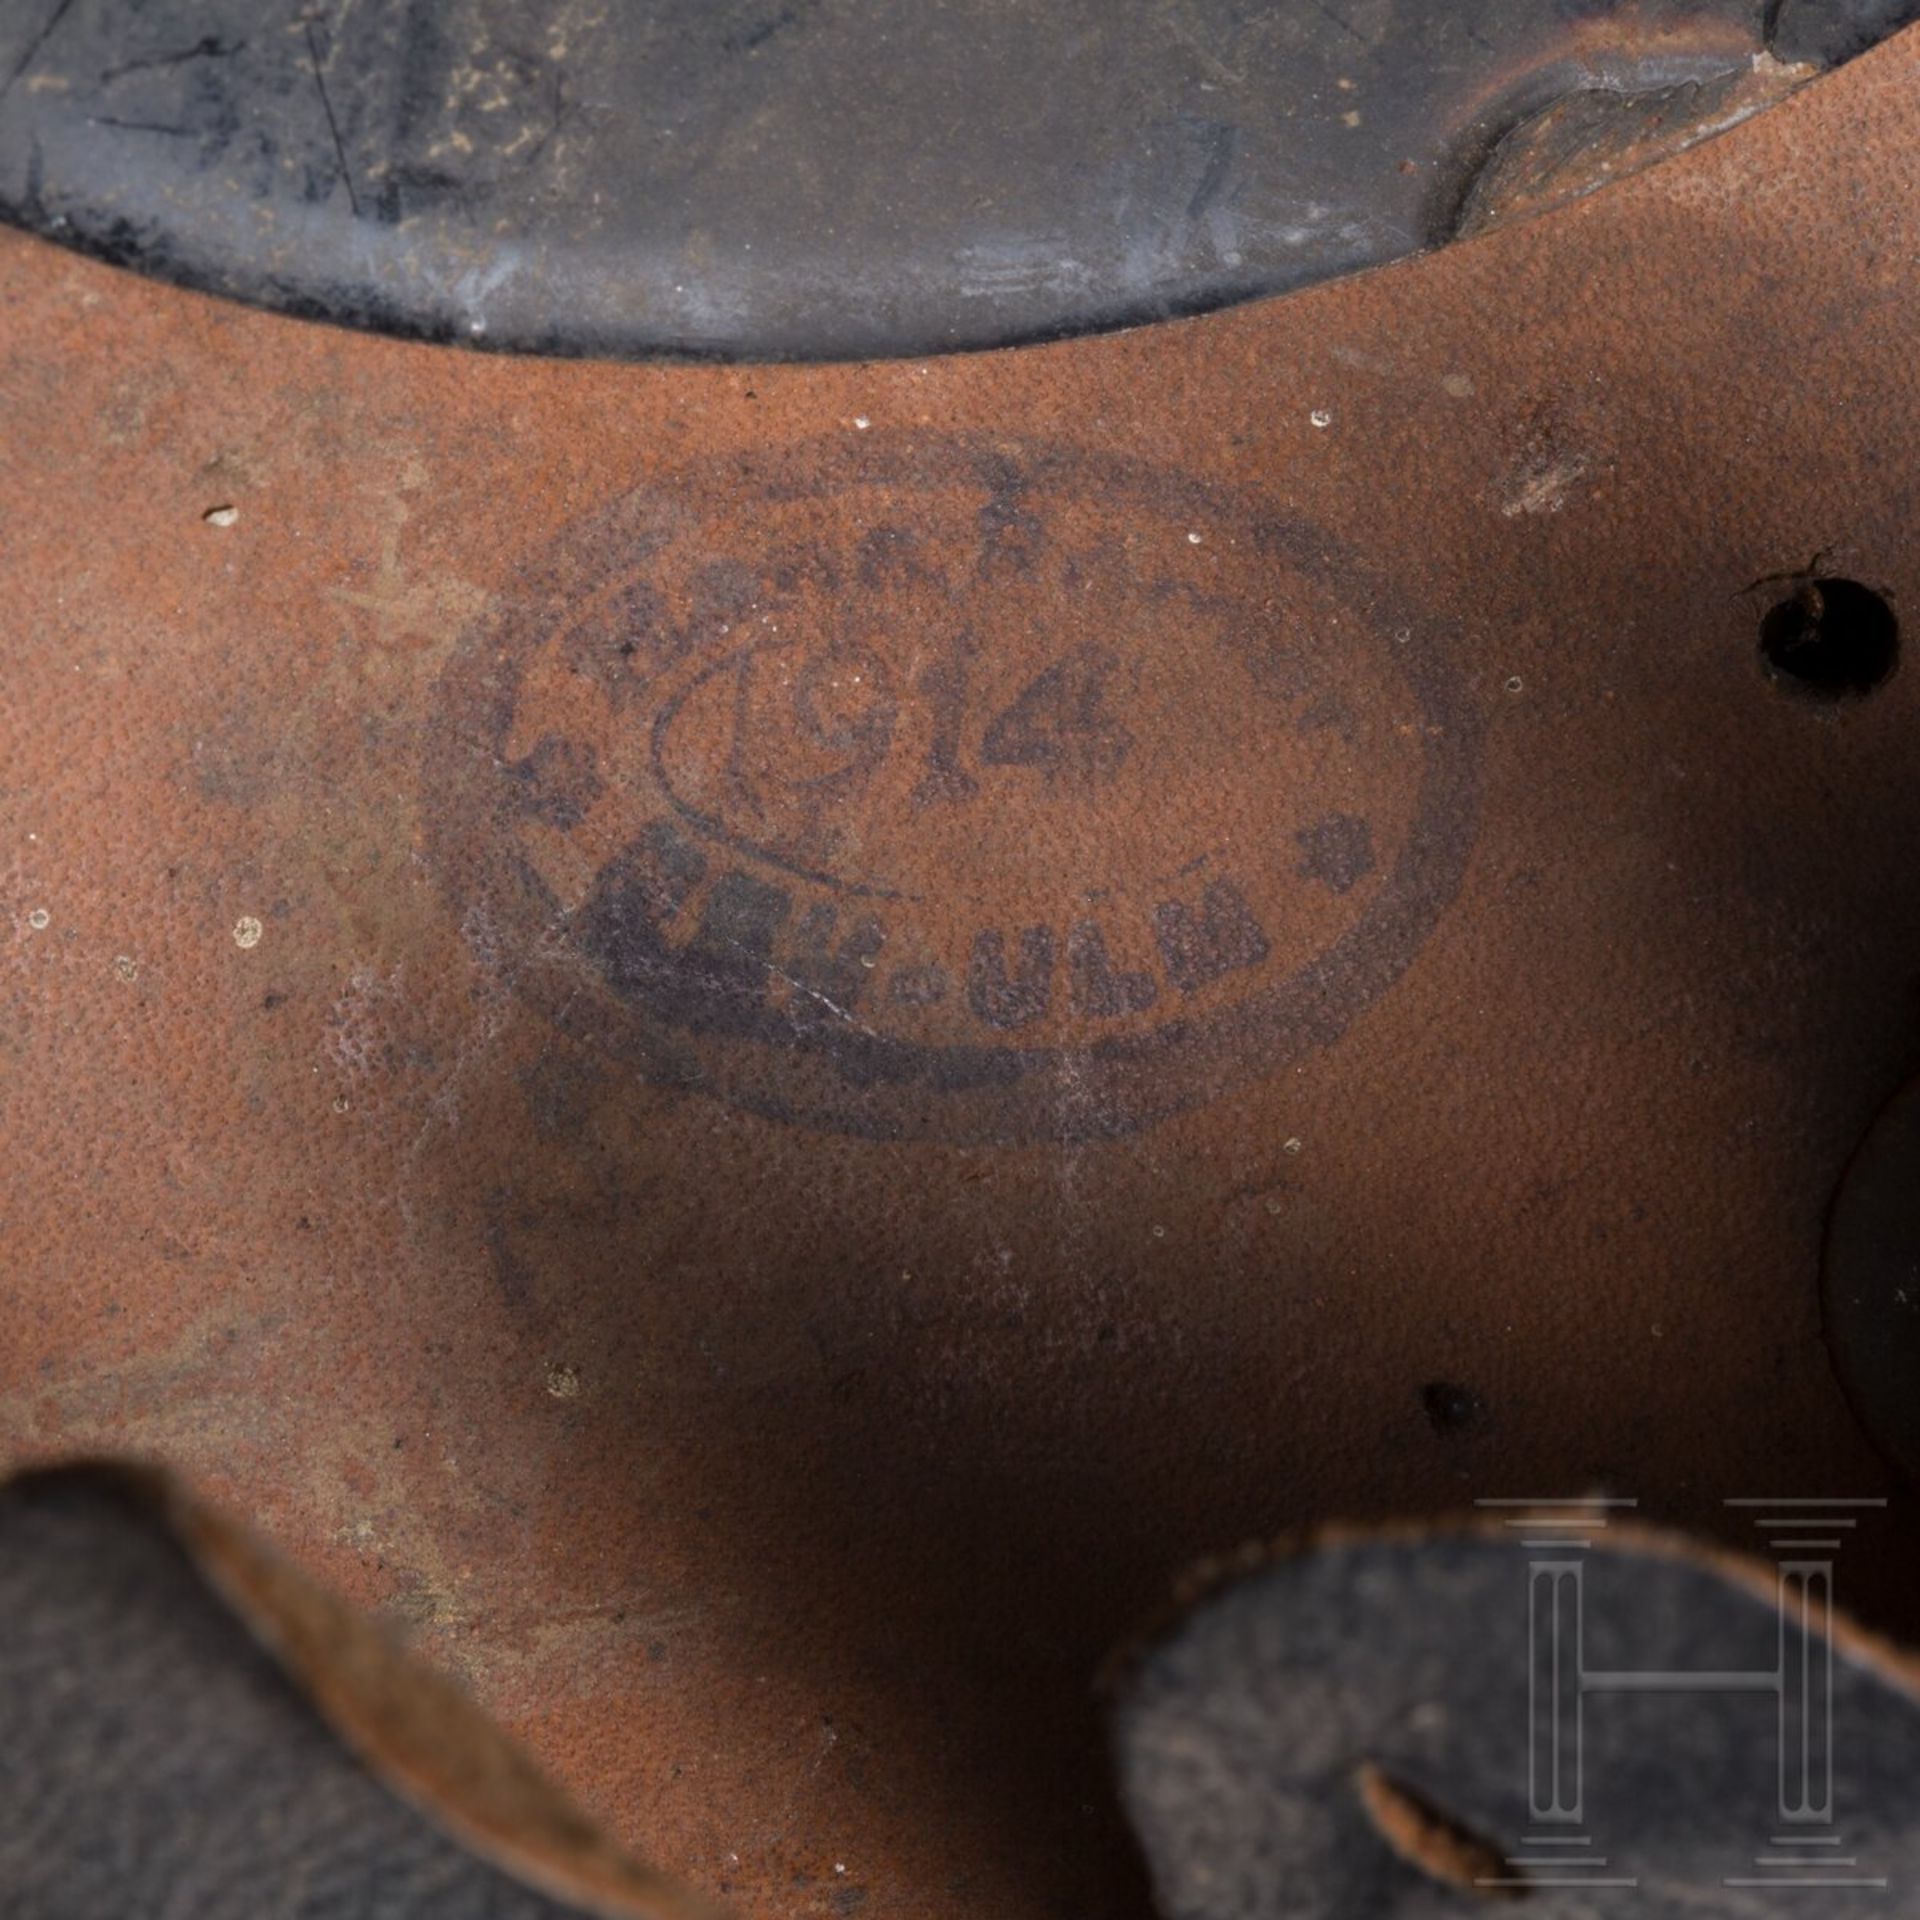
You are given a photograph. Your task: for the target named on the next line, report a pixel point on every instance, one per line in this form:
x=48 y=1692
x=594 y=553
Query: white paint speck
x=1290 y=1146
x=1515 y=684
x=1193 y=539
x=1320 y=417
x=861 y=421
x=221 y=516
x=246 y=932
x=39 y=919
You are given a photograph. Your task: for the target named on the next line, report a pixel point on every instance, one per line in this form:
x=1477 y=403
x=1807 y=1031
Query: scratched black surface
x=792 y=178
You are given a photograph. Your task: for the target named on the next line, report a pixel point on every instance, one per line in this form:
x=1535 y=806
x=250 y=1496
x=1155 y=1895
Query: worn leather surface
x=1242 y=1733
x=154 y=1760
x=775 y=1414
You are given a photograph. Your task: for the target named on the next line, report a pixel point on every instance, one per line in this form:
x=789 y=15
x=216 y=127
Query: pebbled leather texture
x=155 y=1762
x=1247 y=1733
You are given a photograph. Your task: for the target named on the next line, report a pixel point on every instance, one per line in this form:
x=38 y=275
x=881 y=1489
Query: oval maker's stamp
x=952 y=790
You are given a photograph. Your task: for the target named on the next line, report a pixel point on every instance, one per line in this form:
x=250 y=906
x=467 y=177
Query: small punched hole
x=1450 y=1408
x=1830 y=639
